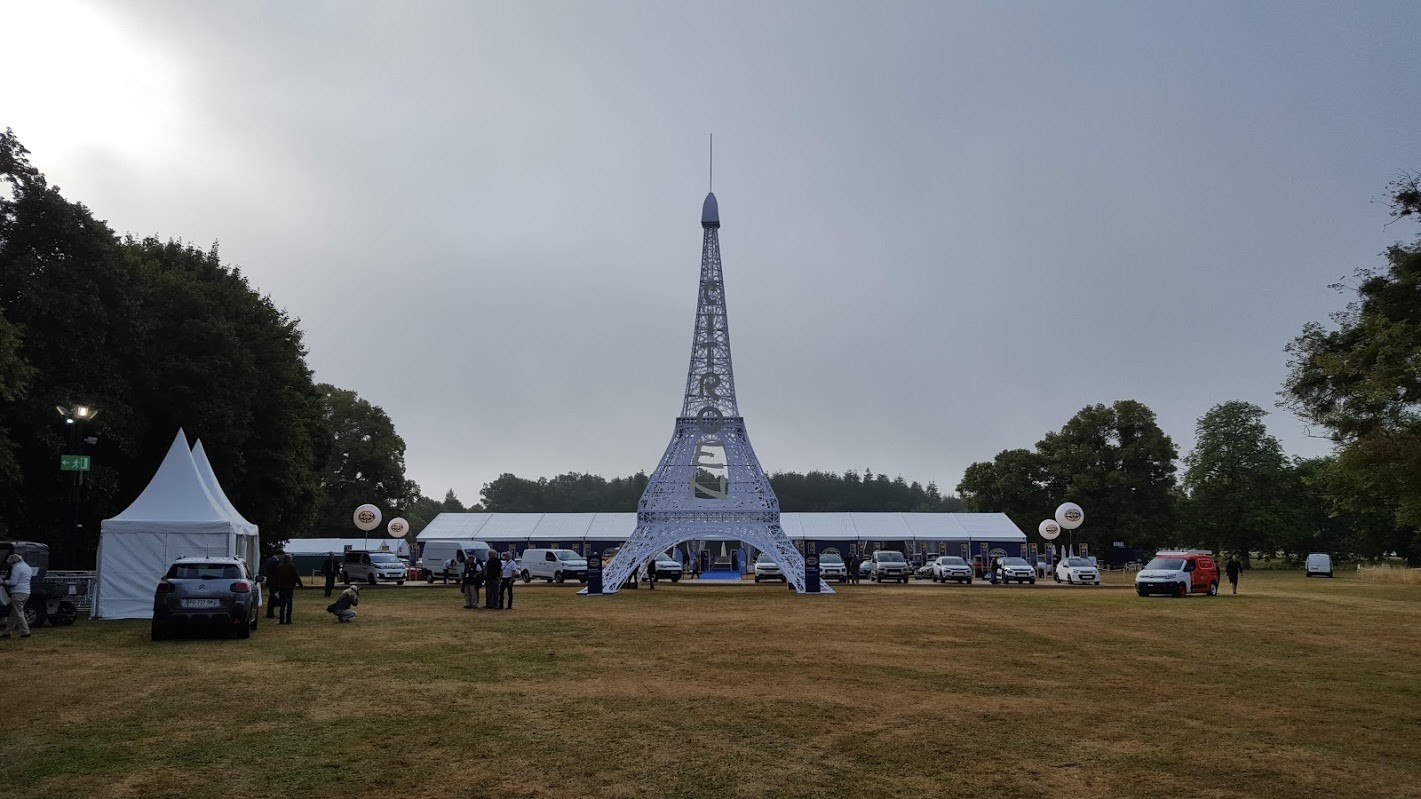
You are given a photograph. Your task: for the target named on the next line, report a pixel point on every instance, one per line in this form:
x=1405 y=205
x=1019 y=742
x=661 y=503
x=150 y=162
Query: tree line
x=1358 y=380
x=158 y=335
x=813 y=491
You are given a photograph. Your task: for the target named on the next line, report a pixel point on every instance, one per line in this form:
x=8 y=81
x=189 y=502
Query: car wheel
x=1033 y=581
x=757 y=578
x=1329 y=575
x=1181 y=590
x=675 y=578
x=66 y=614
x=255 y=618
x=34 y=615
x=527 y=578
x=1214 y=588
x=1142 y=592
x=158 y=632
x=557 y=577
x=244 y=631
x=429 y=577
x=370 y=579
x=399 y=582
x=1097 y=582
x=345 y=578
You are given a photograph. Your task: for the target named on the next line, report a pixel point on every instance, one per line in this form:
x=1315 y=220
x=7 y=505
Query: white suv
x=831 y=566
x=951 y=567
x=887 y=564
x=1076 y=569
x=767 y=569
x=553 y=565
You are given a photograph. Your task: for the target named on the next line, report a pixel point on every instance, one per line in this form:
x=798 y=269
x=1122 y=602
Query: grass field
x=1295 y=688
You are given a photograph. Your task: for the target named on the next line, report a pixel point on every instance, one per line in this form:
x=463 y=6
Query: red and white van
x=1179 y=572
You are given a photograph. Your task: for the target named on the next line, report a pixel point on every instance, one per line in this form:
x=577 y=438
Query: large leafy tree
x=365 y=462
x=1361 y=380
x=1118 y=465
x=157 y=336
x=1015 y=483
x=1241 y=489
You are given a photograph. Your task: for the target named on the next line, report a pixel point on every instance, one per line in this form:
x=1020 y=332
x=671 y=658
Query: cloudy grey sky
x=946 y=226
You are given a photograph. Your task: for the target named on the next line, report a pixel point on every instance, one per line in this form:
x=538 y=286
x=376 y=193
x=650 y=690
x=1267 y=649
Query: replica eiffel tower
x=709 y=484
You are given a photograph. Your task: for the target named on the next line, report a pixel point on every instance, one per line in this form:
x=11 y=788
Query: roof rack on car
x=1184 y=552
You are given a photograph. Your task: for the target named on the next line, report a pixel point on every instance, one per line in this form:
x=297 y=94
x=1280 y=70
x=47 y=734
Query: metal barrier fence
x=79 y=586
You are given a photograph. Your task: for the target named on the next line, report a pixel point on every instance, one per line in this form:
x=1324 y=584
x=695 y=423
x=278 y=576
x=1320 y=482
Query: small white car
x=1076 y=569
x=767 y=569
x=1017 y=569
x=667 y=568
x=832 y=567
x=951 y=567
x=1318 y=563
x=361 y=566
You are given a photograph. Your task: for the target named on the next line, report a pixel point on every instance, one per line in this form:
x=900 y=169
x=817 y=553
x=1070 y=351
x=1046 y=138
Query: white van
x=553 y=565
x=1319 y=563
x=446 y=559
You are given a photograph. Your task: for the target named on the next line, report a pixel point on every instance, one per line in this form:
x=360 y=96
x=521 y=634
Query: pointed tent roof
x=175 y=495
x=214 y=487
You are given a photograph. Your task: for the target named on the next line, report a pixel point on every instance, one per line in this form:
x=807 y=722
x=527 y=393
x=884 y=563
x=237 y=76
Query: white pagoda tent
x=183 y=511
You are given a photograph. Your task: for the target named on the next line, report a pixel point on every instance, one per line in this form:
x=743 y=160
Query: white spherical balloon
x=1069 y=515
x=1049 y=530
x=398 y=527
x=367 y=517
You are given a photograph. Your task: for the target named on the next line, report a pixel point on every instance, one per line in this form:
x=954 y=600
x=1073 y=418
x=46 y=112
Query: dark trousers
x=286 y=598
x=505 y=589
x=491 y=593
x=273 y=600
x=330 y=583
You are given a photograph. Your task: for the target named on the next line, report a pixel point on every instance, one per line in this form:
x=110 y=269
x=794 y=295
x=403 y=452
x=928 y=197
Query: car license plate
x=202 y=603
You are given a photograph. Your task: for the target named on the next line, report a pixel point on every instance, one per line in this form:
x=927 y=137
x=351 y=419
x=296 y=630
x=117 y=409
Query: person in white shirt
x=505 y=588
x=17 y=584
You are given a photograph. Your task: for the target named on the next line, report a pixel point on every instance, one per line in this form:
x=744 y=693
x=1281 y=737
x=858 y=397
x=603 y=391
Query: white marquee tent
x=183 y=511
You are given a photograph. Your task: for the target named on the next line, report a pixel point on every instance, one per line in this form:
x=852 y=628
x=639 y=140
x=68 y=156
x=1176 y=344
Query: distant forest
x=799 y=493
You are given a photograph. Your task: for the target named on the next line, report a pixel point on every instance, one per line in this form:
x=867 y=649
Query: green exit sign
x=73 y=463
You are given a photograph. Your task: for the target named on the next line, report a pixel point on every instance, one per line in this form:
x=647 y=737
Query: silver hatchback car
x=209 y=594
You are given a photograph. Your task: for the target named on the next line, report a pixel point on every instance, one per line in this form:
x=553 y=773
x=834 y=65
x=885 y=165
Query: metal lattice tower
x=709 y=483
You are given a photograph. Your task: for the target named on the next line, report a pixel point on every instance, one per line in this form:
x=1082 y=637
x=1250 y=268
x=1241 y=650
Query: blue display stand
x=594 y=573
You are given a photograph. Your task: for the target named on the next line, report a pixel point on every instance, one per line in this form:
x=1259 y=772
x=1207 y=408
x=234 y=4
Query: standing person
x=329 y=568
x=268 y=571
x=17 y=583
x=852 y=567
x=492 y=574
x=651 y=573
x=1234 y=570
x=344 y=606
x=505 y=588
x=473 y=575
x=287 y=578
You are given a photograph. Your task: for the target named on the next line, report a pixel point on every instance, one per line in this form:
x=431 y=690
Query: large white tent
x=178 y=514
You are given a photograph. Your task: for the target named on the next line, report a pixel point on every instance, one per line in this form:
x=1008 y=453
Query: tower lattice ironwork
x=709 y=484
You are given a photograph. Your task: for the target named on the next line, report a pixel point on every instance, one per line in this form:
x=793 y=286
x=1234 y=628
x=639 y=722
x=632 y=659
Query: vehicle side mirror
x=1189 y=567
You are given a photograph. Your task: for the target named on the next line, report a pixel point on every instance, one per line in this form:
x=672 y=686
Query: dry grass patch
x=1388 y=573
x=1295 y=688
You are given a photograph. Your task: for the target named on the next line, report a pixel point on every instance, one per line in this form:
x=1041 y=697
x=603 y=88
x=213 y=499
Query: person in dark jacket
x=330 y=567
x=268 y=571
x=285 y=581
x=1234 y=569
x=344 y=606
x=472 y=578
x=493 y=573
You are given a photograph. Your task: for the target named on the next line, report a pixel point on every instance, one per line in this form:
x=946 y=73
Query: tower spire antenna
x=711 y=185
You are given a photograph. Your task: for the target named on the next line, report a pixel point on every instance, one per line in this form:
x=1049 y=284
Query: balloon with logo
x=1049 y=530
x=1069 y=515
x=367 y=517
x=398 y=527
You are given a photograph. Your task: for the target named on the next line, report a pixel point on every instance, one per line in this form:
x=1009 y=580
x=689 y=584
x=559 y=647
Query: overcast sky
x=947 y=227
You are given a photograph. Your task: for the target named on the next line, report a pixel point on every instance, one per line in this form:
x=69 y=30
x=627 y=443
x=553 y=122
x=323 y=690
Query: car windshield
x=1079 y=562
x=765 y=558
x=1021 y=562
x=203 y=571
x=383 y=557
x=830 y=558
x=567 y=554
x=890 y=557
x=952 y=561
x=1169 y=564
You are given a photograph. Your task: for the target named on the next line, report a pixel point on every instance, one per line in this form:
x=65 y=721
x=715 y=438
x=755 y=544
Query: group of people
x=494 y=576
x=282 y=580
x=853 y=563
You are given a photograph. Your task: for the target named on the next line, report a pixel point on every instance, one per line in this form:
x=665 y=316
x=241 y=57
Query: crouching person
x=344 y=606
